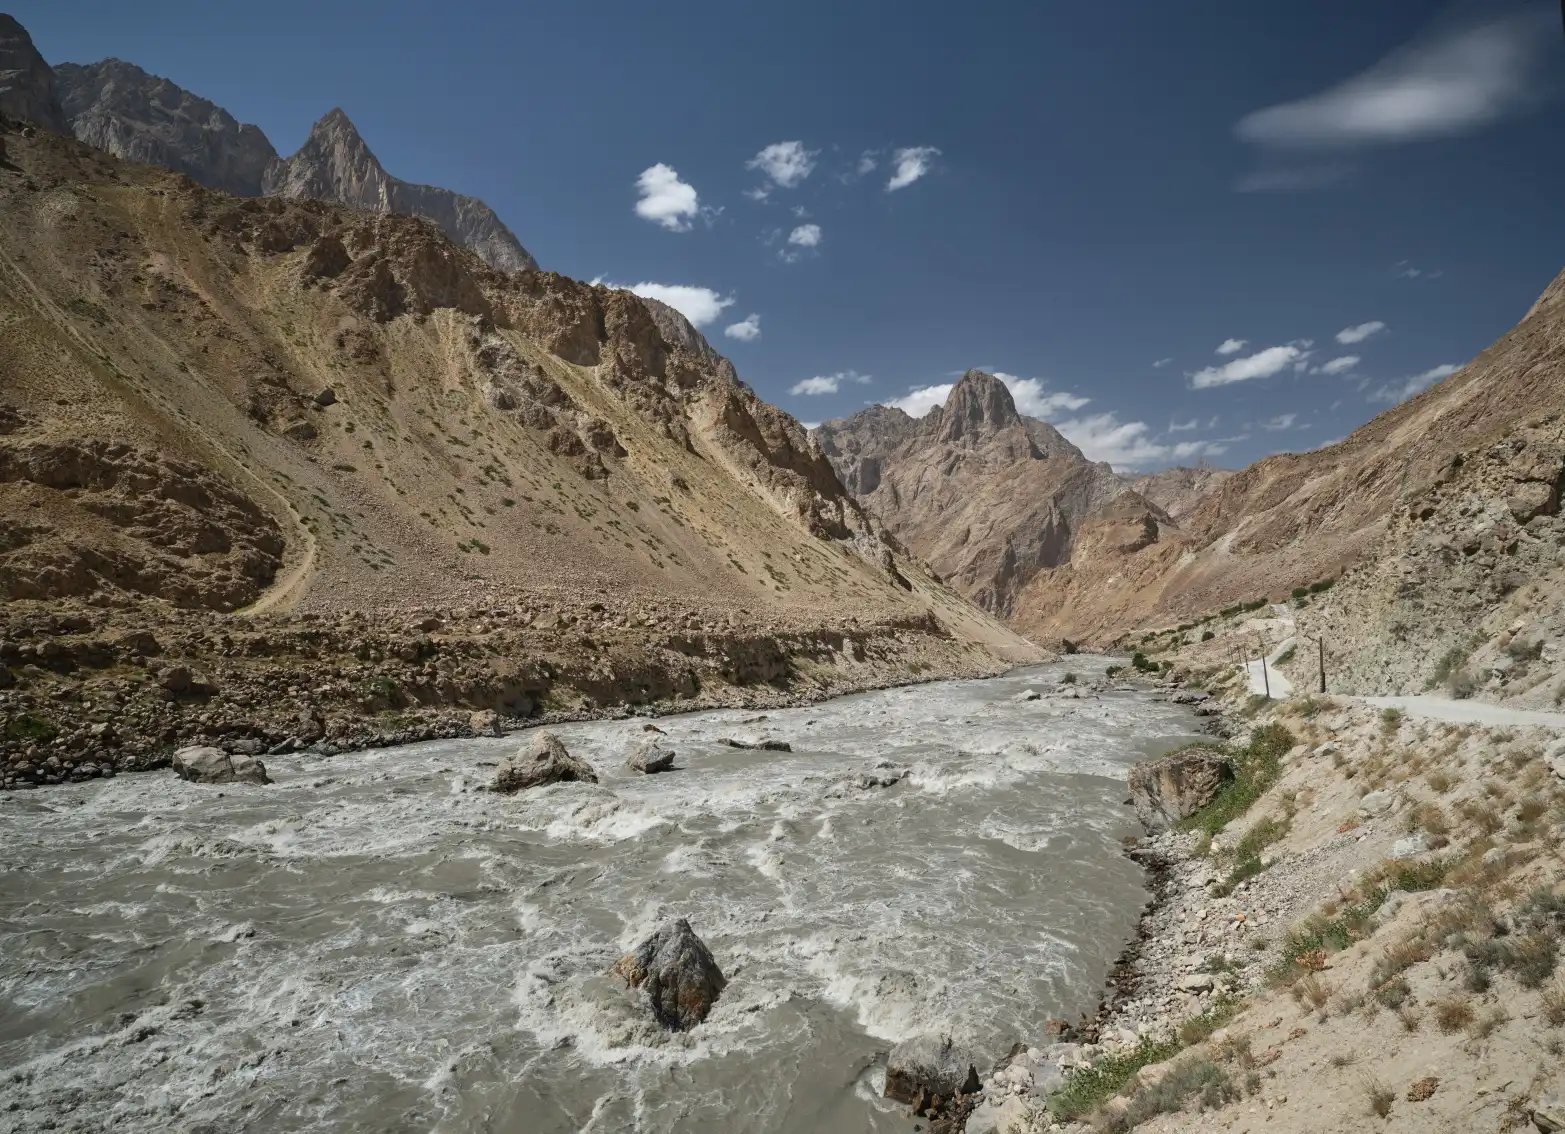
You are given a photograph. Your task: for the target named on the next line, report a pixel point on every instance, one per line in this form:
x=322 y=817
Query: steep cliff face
x=27 y=84
x=1178 y=491
x=335 y=164
x=987 y=497
x=119 y=108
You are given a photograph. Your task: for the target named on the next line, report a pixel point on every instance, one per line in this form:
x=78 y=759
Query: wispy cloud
x=747 y=330
x=1404 y=270
x=1183 y=426
x=1261 y=364
x=911 y=163
x=1397 y=392
x=701 y=305
x=1280 y=422
x=1456 y=78
x=1232 y=346
x=1451 y=81
x=1160 y=363
x=1357 y=334
x=829 y=383
x=666 y=200
x=785 y=164
x=1339 y=365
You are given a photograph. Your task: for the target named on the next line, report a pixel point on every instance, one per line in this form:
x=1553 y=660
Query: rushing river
x=374 y=944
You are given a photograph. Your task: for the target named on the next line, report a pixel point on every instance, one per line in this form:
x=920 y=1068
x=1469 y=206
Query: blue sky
x=1091 y=198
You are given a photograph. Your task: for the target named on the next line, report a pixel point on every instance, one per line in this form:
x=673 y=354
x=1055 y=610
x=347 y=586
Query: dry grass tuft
x=1380 y=1097
x=1454 y=1014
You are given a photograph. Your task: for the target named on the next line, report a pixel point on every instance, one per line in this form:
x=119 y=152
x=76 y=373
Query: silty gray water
x=374 y=944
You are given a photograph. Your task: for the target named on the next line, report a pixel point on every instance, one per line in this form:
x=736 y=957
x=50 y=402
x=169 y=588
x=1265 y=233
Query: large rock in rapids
x=649 y=758
x=924 y=1068
x=202 y=764
x=681 y=977
x=1176 y=786
x=542 y=760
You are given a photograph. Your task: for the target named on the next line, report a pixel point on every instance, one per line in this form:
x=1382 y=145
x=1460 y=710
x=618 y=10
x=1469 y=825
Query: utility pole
x=1321 y=642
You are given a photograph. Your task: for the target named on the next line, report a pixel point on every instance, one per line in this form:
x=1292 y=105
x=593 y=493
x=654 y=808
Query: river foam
x=376 y=943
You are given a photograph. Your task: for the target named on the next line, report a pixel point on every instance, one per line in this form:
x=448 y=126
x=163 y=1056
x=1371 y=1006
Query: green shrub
x=26 y=727
x=1113 y=671
x=1068 y=679
x=1323 y=585
x=1207 y=635
x=1255 y=768
x=1087 y=1089
x=1142 y=663
x=1067 y=646
x=1300 y=592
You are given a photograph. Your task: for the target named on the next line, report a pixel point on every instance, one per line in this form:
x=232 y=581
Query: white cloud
x=806 y=236
x=747 y=330
x=1261 y=364
x=701 y=305
x=800 y=211
x=911 y=164
x=918 y=401
x=1033 y=400
x=1404 y=270
x=1350 y=335
x=1233 y=346
x=829 y=383
x=1280 y=422
x=665 y=199
x=785 y=163
x=1183 y=426
x=1339 y=365
x=866 y=164
x=1450 y=82
x=1130 y=444
x=761 y=193
x=1401 y=391
x=1160 y=363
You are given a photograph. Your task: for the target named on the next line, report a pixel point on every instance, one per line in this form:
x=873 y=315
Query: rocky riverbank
x=87 y=693
x=1363 y=928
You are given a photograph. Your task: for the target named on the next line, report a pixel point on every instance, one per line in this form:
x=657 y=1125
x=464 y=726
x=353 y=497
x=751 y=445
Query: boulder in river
x=925 y=1068
x=484 y=722
x=203 y=764
x=542 y=760
x=681 y=977
x=1176 y=786
x=649 y=758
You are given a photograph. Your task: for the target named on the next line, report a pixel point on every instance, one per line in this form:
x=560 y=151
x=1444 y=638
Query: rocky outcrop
x=681 y=978
x=927 y=1071
x=1179 y=490
x=156 y=526
x=335 y=164
x=28 y=88
x=1176 y=786
x=543 y=760
x=202 y=764
x=650 y=759
x=117 y=107
x=988 y=498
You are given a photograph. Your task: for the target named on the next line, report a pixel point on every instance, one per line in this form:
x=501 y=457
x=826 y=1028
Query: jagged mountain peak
x=27 y=83
x=978 y=405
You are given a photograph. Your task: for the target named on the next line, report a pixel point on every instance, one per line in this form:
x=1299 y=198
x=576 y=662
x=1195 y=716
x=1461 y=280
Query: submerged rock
x=928 y=1067
x=757 y=745
x=681 y=977
x=202 y=764
x=649 y=758
x=1176 y=786
x=543 y=760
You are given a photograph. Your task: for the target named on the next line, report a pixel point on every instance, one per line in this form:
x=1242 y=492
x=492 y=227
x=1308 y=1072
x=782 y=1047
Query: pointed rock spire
x=979 y=405
x=27 y=84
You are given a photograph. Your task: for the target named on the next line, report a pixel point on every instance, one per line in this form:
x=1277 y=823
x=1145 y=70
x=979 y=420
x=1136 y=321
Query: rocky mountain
x=1178 y=490
x=119 y=108
x=27 y=85
x=335 y=164
x=987 y=497
x=236 y=419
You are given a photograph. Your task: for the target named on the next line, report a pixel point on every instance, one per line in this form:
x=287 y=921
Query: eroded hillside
x=285 y=406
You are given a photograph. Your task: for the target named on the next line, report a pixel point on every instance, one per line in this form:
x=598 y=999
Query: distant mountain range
x=117 y=107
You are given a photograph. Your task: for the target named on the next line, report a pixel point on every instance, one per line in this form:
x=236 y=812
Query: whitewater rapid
x=374 y=943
